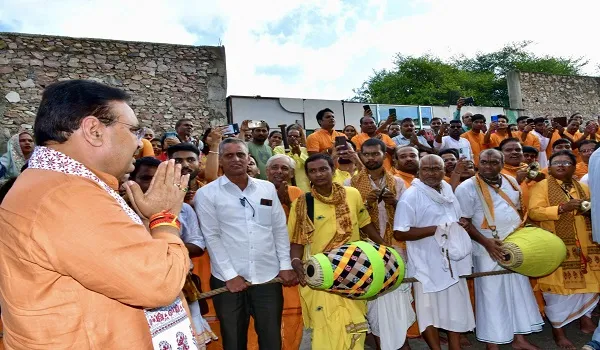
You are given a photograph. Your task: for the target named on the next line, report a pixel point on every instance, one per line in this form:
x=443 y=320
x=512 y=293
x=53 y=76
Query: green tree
x=428 y=80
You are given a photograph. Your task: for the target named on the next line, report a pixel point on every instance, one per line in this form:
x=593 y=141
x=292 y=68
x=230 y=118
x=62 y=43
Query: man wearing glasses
x=453 y=140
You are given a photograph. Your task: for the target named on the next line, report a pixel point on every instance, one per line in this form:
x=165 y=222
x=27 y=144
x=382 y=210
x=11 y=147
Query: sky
x=319 y=49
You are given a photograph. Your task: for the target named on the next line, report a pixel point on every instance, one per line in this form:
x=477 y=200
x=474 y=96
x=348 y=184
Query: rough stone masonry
x=538 y=94
x=166 y=82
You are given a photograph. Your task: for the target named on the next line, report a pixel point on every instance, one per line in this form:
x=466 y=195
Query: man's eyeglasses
x=563 y=163
x=138 y=131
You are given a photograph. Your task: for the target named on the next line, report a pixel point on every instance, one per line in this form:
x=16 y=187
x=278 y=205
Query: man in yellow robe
x=570 y=292
x=338 y=217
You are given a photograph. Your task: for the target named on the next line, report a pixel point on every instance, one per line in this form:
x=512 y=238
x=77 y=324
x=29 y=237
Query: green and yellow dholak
x=533 y=252
x=357 y=270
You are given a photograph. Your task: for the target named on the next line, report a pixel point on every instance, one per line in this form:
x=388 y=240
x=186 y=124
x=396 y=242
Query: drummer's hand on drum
x=236 y=284
x=288 y=277
x=494 y=248
x=299 y=269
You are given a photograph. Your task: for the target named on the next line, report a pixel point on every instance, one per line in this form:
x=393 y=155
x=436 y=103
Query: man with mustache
x=322 y=140
x=409 y=137
x=184 y=128
x=259 y=148
x=498 y=132
x=244 y=226
x=428 y=218
x=368 y=130
x=280 y=171
x=525 y=134
x=381 y=191
x=407 y=164
x=457 y=170
x=453 y=140
x=500 y=300
x=337 y=216
x=187 y=155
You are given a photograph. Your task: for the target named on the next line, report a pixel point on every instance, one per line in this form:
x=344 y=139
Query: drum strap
x=310 y=206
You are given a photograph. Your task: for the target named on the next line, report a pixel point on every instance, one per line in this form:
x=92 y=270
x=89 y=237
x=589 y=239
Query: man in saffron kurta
x=476 y=137
x=586 y=148
x=407 y=164
x=571 y=292
x=525 y=134
x=337 y=323
x=368 y=130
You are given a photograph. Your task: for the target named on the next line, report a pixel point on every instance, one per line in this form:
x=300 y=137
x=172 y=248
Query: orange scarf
x=485 y=191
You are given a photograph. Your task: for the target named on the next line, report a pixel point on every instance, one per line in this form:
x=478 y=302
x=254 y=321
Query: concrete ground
x=542 y=339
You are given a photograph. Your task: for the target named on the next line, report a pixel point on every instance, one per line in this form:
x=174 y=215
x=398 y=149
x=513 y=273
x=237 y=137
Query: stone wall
x=537 y=94
x=167 y=82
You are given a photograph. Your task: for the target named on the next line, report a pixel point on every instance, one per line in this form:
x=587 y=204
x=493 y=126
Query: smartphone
x=392 y=111
x=494 y=118
x=341 y=141
x=254 y=124
x=170 y=134
x=231 y=129
x=206 y=133
x=366 y=107
x=530 y=121
x=562 y=121
x=469 y=100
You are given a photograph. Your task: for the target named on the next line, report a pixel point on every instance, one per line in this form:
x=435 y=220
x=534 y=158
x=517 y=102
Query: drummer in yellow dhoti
x=391 y=314
x=571 y=292
x=338 y=217
x=428 y=218
x=506 y=307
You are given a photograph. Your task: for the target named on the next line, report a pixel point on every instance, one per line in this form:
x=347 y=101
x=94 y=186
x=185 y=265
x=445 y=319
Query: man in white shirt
x=428 y=218
x=506 y=307
x=453 y=140
x=539 y=130
x=408 y=136
x=246 y=236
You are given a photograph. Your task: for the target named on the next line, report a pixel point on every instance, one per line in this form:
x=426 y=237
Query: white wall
x=277 y=111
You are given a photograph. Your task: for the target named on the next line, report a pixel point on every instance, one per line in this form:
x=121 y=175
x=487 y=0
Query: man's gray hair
x=492 y=151
x=290 y=161
x=232 y=140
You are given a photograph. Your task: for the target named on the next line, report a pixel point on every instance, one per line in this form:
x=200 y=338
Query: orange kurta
x=321 y=140
x=477 y=143
x=496 y=139
x=76 y=271
x=362 y=137
x=525 y=185
x=406 y=177
x=531 y=140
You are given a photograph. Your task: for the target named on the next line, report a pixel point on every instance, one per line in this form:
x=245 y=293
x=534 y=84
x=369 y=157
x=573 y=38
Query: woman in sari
x=556 y=204
x=20 y=147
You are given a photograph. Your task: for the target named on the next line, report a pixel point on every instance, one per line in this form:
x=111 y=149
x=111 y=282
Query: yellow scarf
x=362 y=183
x=485 y=191
x=576 y=263
x=304 y=227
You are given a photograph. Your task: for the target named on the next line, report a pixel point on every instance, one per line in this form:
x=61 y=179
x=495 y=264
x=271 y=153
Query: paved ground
x=542 y=340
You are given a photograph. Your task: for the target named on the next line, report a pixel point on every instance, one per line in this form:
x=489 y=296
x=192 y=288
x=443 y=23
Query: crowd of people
x=100 y=218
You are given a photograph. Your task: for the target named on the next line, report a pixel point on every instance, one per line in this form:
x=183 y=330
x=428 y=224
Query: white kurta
x=390 y=315
x=441 y=300
x=505 y=304
x=542 y=157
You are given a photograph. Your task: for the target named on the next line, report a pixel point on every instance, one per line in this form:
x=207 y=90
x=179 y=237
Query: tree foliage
x=429 y=80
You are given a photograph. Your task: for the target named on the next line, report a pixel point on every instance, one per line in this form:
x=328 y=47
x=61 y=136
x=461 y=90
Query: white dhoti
x=564 y=309
x=390 y=316
x=505 y=304
x=449 y=309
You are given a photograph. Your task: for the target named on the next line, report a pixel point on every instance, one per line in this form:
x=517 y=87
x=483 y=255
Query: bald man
x=428 y=218
x=506 y=306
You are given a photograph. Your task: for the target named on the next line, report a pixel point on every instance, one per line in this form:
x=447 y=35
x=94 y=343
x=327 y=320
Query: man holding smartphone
x=525 y=134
